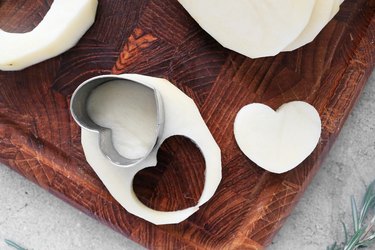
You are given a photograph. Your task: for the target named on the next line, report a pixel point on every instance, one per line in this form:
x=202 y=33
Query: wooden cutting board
x=39 y=139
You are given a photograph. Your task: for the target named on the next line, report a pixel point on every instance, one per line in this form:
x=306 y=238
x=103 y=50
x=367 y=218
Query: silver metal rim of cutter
x=78 y=109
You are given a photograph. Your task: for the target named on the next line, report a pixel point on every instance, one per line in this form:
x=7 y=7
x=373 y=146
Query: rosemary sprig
x=363 y=224
x=15 y=245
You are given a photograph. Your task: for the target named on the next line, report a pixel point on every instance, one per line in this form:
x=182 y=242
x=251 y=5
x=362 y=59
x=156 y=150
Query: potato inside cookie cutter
x=80 y=114
x=182 y=117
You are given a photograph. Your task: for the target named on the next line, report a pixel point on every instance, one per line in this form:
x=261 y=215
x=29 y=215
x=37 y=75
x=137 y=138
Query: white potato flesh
x=182 y=117
x=61 y=28
x=253 y=28
x=277 y=141
x=320 y=16
x=133 y=121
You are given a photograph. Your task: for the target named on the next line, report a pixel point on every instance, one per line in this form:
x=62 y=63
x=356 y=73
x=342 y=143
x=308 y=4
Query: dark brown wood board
x=39 y=139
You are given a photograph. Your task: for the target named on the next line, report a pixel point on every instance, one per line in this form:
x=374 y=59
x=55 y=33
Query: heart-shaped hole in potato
x=176 y=182
x=22 y=16
x=183 y=118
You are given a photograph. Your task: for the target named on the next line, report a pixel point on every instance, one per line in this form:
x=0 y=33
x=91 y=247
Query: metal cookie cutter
x=78 y=108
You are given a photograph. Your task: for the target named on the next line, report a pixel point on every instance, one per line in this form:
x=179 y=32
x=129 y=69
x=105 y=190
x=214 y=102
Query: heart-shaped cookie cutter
x=78 y=109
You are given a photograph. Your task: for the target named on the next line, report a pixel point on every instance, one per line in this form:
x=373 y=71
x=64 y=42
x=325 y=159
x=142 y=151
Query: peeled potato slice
x=321 y=15
x=182 y=117
x=280 y=140
x=255 y=28
x=61 y=28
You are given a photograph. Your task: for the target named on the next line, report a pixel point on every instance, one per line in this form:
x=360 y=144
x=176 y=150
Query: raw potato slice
x=321 y=15
x=277 y=141
x=255 y=28
x=182 y=117
x=61 y=28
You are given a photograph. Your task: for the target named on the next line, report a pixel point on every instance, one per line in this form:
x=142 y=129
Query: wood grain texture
x=39 y=139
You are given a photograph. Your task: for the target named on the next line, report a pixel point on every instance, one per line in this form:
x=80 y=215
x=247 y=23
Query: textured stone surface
x=36 y=219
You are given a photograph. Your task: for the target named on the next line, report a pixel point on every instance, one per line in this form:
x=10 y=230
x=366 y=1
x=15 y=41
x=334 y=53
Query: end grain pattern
x=39 y=139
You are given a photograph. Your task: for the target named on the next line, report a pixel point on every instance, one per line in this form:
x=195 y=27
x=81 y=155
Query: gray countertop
x=36 y=219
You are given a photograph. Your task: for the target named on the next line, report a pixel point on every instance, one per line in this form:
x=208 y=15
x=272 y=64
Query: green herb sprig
x=363 y=224
x=14 y=245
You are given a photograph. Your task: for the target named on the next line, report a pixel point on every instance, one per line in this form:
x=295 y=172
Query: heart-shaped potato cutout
x=127 y=115
x=176 y=182
x=182 y=117
x=136 y=118
x=277 y=141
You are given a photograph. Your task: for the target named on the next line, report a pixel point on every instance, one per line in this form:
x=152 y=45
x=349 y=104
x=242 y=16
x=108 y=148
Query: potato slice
x=252 y=27
x=320 y=17
x=280 y=140
x=182 y=117
x=61 y=28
